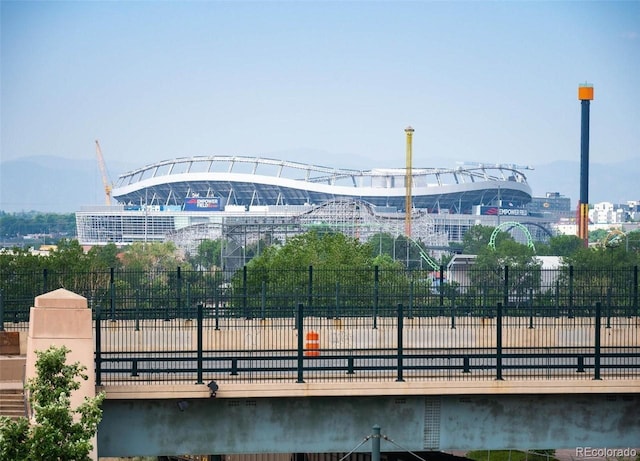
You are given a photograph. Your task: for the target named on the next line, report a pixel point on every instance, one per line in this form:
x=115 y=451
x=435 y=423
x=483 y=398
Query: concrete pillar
x=62 y=318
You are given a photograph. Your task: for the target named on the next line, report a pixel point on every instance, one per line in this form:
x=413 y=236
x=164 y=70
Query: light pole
x=375 y=444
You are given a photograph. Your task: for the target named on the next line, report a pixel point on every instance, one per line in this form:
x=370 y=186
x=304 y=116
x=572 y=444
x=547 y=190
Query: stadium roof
x=252 y=181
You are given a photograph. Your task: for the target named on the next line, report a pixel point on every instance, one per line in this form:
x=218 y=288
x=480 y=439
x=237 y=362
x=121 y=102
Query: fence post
x=1 y=312
x=45 y=280
x=635 y=290
x=337 y=307
x=499 y=343
x=98 y=347
x=400 y=344
x=557 y=299
x=505 y=294
x=376 y=288
x=245 y=307
x=570 y=306
x=441 y=275
x=216 y=302
x=299 y=324
x=188 y=310
x=199 y=340
x=310 y=289
x=608 y=307
x=137 y=311
x=596 y=356
x=263 y=300
x=112 y=294
x=179 y=294
x=410 y=316
x=530 y=308
x=453 y=310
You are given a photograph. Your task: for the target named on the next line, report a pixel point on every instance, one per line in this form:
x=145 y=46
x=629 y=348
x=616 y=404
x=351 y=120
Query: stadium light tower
x=407 y=183
x=585 y=95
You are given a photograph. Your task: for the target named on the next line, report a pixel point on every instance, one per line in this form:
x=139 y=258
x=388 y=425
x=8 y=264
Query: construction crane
x=103 y=172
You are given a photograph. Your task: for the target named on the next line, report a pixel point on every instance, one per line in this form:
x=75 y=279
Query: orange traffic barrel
x=312 y=346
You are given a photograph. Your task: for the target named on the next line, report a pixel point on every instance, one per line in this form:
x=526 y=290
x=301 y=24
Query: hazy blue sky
x=335 y=82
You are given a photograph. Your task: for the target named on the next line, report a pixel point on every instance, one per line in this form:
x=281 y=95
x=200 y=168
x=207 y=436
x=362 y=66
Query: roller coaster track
x=507 y=226
x=425 y=256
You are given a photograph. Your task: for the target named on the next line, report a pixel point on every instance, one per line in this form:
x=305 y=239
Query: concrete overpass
x=440 y=383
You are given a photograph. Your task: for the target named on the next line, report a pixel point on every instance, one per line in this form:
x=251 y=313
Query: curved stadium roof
x=251 y=181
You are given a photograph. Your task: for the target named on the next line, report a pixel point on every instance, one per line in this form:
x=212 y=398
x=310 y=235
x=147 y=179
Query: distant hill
x=53 y=184
x=62 y=185
x=608 y=182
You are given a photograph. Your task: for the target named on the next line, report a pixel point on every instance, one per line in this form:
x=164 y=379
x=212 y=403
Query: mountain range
x=60 y=185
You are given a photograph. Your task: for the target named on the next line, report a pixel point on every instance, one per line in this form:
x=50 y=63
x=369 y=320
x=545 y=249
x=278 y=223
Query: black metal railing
x=373 y=324
x=307 y=348
x=257 y=293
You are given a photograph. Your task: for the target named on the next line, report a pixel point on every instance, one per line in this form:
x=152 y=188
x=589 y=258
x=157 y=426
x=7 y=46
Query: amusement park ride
x=585 y=95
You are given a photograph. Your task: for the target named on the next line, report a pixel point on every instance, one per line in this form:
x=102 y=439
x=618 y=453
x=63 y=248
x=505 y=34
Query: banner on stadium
x=201 y=204
x=494 y=211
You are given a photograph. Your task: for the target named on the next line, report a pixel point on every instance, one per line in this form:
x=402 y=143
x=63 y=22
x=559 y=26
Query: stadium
x=249 y=199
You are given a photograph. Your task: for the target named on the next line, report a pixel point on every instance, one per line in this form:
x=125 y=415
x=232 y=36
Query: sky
x=332 y=83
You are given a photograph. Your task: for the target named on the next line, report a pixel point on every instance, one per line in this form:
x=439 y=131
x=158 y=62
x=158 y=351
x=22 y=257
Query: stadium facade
x=245 y=199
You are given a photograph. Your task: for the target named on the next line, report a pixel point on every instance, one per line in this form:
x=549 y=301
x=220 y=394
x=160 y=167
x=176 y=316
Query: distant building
x=608 y=213
x=553 y=207
x=460 y=265
x=43 y=250
x=633 y=209
x=245 y=200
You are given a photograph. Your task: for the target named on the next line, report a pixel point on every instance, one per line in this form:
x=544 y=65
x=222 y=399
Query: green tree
x=68 y=266
x=477 y=238
x=564 y=245
x=632 y=242
x=69 y=256
x=20 y=260
x=322 y=251
x=155 y=256
x=560 y=245
x=599 y=272
x=20 y=224
x=208 y=255
x=59 y=432
x=412 y=254
x=487 y=274
x=602 y=257
x=597 y=235
x=103 y=257
x=382 y=244
x=342 y=268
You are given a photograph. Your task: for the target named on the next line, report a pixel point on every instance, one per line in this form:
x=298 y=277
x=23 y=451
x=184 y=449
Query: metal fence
x=130 y=295
x=388 y=346
x=362 y=324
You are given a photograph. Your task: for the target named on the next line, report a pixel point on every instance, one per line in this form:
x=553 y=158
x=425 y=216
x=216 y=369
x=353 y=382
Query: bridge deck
x=310 y=356
x=228 y=390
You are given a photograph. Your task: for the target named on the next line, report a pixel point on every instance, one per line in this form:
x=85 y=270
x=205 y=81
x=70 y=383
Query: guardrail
x=388 y=345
